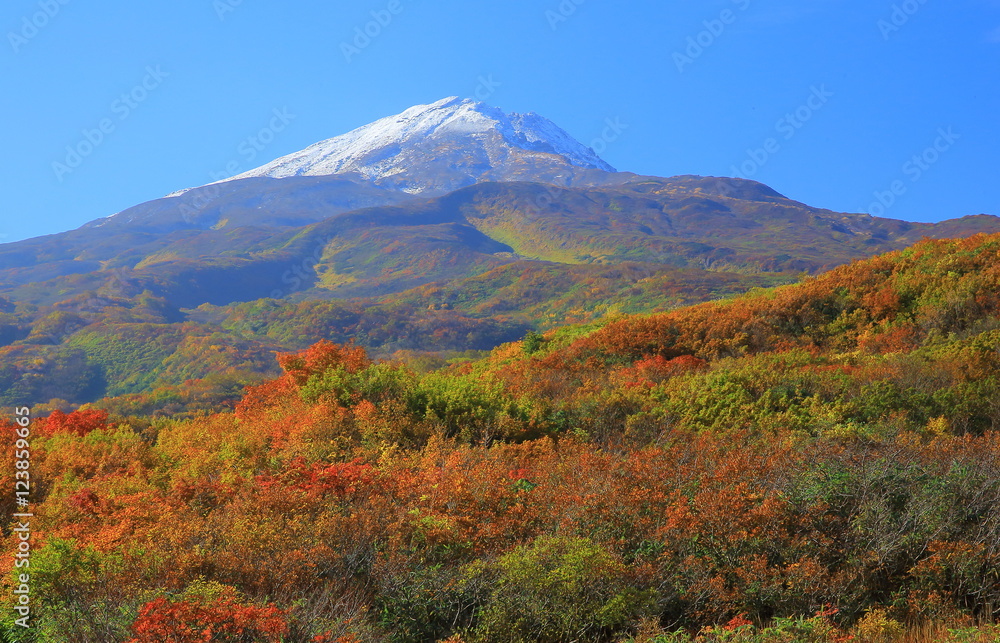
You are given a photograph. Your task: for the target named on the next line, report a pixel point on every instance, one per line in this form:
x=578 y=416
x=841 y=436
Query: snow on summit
x=470 y=135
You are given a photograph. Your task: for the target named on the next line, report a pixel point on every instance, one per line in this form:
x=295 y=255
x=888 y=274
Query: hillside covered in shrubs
x=813 y=462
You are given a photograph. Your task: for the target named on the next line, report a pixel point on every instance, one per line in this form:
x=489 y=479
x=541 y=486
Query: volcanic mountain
x=439 y=192
x=448 y=227
x=425 y=151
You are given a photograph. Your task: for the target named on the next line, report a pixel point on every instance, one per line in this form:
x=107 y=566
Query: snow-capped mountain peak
x=442 y=146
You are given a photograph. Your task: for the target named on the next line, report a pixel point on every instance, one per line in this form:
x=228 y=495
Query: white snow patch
x=375 y=151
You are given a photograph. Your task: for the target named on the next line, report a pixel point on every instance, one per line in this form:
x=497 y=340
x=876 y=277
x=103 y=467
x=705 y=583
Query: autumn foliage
x=815 y=463
x=223 y=620
x=78 y=423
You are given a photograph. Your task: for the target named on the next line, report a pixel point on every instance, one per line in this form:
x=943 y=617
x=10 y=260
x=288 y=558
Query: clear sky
x=831 y=102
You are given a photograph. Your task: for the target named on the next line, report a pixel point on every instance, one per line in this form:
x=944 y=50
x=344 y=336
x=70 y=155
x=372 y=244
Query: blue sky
x=854 y=105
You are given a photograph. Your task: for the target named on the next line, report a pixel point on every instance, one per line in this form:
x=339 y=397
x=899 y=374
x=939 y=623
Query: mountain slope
x=294 y=201
x=933 y=292
x=668 y=224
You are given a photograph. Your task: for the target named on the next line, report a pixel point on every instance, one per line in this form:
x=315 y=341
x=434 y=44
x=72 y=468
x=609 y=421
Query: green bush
x=429 y=603
x=559 y=589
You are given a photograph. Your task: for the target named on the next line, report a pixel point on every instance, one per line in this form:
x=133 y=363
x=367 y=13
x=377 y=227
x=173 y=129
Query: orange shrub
x=221 y=620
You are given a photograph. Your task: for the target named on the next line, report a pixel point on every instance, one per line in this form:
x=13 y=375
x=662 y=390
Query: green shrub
x=559 y=589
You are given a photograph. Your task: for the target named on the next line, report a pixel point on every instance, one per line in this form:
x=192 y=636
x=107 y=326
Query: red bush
x=79 y=422
x=222 y=620
x=319 y=479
